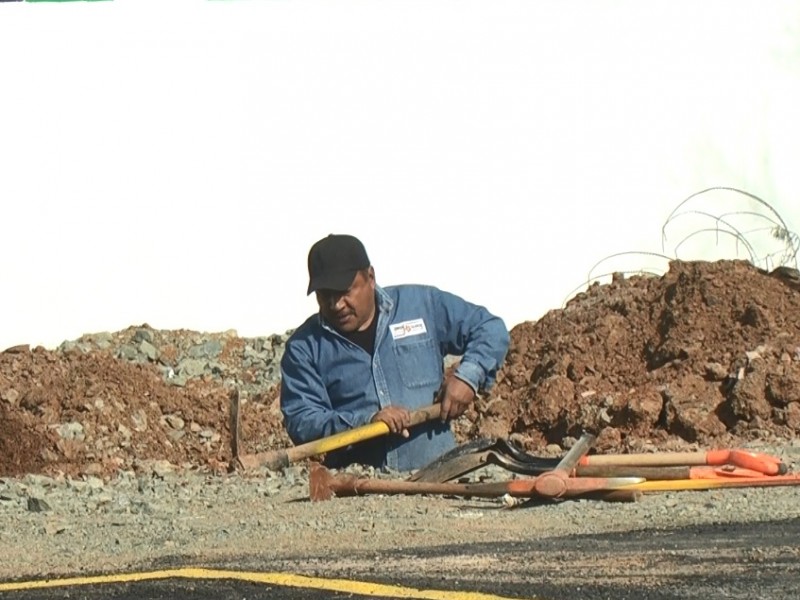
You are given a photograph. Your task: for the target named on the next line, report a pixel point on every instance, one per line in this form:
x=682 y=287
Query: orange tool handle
x=763 y=463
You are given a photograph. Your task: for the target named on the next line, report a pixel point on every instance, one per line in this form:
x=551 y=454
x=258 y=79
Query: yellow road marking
x=284 y=579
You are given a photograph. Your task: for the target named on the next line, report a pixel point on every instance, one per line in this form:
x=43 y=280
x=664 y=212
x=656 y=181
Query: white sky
x=171 y=162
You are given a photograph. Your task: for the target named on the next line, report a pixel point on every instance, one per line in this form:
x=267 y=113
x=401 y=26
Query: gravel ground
x=114 y=450
x=61 y=526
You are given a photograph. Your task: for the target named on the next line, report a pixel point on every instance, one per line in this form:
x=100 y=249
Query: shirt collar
x=384 y=302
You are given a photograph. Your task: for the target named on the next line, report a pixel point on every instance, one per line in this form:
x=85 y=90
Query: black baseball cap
x=334 y=261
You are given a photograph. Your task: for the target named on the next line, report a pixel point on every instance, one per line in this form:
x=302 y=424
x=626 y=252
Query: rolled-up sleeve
x=478 y=336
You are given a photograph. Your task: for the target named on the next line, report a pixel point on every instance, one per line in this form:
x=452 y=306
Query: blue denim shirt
x=329 y=384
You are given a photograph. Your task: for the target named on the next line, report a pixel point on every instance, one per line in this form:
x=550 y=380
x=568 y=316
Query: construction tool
x=235 y=426
x=553 y=484
x=670 y=473
x=279 y=459
x=323 y=485
x=479 y=453
x=503 y=453
x=557 y=482
x=709 y=483
x=763 y=463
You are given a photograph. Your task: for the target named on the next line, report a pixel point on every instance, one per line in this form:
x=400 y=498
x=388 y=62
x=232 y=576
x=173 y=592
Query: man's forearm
x=311 y=424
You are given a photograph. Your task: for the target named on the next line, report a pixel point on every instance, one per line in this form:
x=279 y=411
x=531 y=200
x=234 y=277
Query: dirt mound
x=708 y=354
x=93 y=413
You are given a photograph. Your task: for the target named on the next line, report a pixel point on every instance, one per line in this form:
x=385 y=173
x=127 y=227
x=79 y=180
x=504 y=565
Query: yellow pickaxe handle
x=278 y=459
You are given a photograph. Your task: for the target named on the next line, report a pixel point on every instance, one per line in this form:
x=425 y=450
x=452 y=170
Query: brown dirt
x=130 y=415
x=707 y=355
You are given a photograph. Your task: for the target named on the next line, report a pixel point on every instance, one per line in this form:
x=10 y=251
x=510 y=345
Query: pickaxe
x=323 y=485
x=279 y=459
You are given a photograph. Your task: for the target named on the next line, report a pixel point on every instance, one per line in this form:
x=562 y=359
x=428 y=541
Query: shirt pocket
x=419 y=362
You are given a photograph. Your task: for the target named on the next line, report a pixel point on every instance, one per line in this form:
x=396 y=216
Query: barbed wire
x=723 y=226
x=777 y=228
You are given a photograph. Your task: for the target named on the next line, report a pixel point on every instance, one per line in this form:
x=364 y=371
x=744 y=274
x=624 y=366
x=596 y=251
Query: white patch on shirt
x=408 y=328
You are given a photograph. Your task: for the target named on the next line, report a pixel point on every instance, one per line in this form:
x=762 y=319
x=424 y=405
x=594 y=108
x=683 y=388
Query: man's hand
x=397 y=418
x=455 y=396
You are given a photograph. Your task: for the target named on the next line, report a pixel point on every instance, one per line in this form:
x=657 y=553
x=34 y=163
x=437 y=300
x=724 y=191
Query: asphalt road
x=747 y=561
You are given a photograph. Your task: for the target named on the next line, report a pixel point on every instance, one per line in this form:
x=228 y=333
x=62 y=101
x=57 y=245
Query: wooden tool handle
x=664 y=459
x=429 y=413
x=660 y=473
x=278 y=459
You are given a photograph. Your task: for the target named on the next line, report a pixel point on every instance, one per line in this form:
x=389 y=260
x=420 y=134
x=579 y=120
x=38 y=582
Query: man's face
x=352 y=309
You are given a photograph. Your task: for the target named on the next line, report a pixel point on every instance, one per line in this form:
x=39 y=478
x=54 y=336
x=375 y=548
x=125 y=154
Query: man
x=375 y=354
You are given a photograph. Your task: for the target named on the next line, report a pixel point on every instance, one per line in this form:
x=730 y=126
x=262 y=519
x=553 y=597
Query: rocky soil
x=708 y=354
x=114 y=447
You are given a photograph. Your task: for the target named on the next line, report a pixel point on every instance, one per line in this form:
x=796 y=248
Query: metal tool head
x=323 y=485
x=459 y=461
x=319 y=484
x=476 y=454
x=235 y=429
